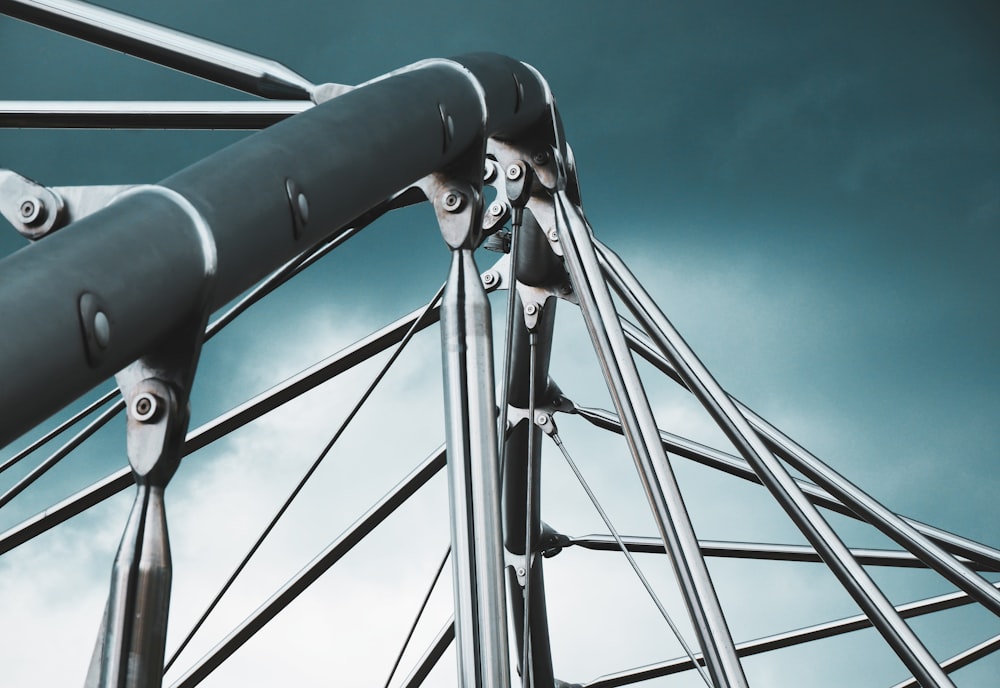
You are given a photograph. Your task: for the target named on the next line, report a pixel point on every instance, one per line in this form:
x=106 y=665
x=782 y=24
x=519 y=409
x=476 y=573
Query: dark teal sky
x=812 y=190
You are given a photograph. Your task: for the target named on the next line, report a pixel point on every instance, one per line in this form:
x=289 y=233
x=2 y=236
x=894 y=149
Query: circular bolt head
x=531 y=309
x=489 y=173
x=144 y=407
x=489 y=278
x=542 y=419
x=32 y=211
x=540 y=158
x=553 y=235
x=452 y=201
x=514 y=172
x=496 y=208
x=520 y=570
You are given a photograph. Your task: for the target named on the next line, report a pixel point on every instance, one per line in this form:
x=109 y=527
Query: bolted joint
x=518 y=186
x=146 y=407
x=32 y=212
x=156 y=426
x=458 y=206
x=452 y=200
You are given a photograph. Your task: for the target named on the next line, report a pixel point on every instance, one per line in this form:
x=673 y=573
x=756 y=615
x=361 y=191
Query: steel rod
x=304 y=479
x=62 y=427
x=708 y=456
x=776 y=478
x=891 y=525
x=324 y=370
x=960 y=660
x=419 y=615
x=956 y=544
x=619 y=544
x=432 y=656
x=473 y=478
x=642 y=434
x=183 y=52
x=755 y=550
x=149 y=114
x=316 y=568
x=779 y=641
x=52 y=460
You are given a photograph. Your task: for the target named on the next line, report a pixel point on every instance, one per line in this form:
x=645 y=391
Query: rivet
x=531 y=309
x=496 y=208
x=514 y=172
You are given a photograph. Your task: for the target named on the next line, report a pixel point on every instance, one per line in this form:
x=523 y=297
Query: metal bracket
x=544 y=414
x=33 y=209
x=37 y=211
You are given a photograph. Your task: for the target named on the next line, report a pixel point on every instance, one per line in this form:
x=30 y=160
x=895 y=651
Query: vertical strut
x=473 y=477
x=779 y=482
x=534 y=263
x=643 y=438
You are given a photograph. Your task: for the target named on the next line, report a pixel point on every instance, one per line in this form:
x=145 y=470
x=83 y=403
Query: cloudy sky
x=812 y=192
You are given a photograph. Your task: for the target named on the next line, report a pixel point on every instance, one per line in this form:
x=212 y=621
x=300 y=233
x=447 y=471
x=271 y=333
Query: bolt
x=145 y=407
x=102 y=330
x=496 y=208
x=531 y=309
x=542 y=419
x=452 y=201
x=520 y=570
x=32 y=211
x=514 y=172
x=489 y=278
x=489 y=173
x=540 y=158
x=553 y=235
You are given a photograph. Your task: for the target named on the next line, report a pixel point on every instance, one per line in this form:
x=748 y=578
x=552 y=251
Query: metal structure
x=479 y=138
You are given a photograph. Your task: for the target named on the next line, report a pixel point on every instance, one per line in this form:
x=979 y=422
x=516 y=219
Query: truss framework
x=254 y=214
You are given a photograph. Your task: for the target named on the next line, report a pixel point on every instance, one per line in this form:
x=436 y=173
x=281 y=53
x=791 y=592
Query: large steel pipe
x=264 y=200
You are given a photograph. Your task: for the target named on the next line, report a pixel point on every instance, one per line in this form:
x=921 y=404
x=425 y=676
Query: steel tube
x=316 y=568
x=870 y=510
x=375 y=140
x=643 y=437
x=86 y=114
x=984 y=555
x=473 y=478
x=783 y=640
x=753 y=550
x=773 y=475
x=167 y=47
x=960 y=660
x=135 y=630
